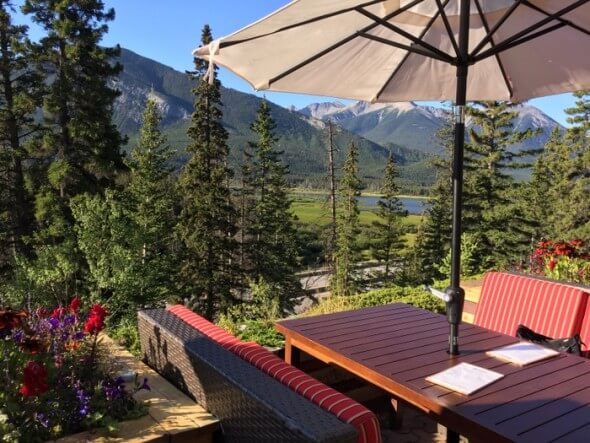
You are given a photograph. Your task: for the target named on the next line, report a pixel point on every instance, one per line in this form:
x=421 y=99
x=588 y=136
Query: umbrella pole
x=455 y=292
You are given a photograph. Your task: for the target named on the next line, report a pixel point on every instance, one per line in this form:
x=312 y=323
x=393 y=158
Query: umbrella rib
x=405 y=34
x=500 y=64
x=504 y=46
x=495 y=28
x=416 y=50
x=525 y=32
x=400 y=65
x=341 y=42
x=303 y=23
x=567 y=22
x=445 y=19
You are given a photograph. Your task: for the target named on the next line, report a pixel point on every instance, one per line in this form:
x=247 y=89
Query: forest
x=79 y=217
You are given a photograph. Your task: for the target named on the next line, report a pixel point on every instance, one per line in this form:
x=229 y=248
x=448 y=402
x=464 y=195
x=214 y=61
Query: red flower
x=34 y=380
x=577 y=243
x=563 y=249
x=58 y=312
x=10 y=319
x=74 y=305
x=552 y=264
x=95 y=322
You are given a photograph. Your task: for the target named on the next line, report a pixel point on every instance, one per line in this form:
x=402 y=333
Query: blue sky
x=168 y=30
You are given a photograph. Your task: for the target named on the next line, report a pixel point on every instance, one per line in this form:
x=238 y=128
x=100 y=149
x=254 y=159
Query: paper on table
x=522 y=353
x=465 y=378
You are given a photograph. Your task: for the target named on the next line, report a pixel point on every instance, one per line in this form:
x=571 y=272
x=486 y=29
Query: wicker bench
x=256 y=395
x=549 y=307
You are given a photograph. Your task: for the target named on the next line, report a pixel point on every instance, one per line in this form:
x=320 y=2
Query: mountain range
x=406 y=129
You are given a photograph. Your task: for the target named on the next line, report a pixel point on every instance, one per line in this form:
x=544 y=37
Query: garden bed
x=172 y=416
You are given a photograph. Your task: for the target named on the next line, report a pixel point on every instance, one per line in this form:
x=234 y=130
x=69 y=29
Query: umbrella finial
x=213 y=51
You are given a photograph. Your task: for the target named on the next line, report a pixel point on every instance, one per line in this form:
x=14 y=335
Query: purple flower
x=113 y=389
x=53 y=323
x=84 y=401
x=18 y=336
x=69 y=320
x=42 y=419
x=79 y=336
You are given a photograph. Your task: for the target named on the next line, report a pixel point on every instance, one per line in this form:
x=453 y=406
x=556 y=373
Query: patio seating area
x=255 y=393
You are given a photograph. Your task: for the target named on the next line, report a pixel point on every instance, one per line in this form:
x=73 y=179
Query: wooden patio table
x=396 y=346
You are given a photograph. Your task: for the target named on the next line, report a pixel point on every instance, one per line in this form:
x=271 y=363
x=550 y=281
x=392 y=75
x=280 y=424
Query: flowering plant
x=562 y=260
x=55 y=380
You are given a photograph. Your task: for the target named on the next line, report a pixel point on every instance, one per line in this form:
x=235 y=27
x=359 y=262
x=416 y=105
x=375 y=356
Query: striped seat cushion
x=547 y=307
x=346 y=409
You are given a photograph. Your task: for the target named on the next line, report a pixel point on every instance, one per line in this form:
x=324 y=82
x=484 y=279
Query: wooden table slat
x=558 y=426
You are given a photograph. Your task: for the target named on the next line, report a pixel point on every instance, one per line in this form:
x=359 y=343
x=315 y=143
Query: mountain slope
x=301 y=137
x=414 y=126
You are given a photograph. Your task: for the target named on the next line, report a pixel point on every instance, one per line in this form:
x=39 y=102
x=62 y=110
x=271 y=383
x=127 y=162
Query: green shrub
x=126 y=334
x=413 y=296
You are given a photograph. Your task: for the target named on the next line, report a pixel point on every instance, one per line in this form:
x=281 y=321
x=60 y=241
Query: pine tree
x=389 y=231
x=271 y=239
x=152 y=206
x=434 y=235
x=207 y=220
x=81 y=147
x=498 y=225
x=576 y=223
x=347 y=254
x=20 y=95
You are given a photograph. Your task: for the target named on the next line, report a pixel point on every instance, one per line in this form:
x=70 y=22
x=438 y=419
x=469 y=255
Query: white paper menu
x=522 y=353
x=465 y=378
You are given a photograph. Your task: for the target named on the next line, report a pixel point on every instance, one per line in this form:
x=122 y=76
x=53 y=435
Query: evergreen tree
x=498 y=225
x=389 y=231
x=433 y=240
x=576 y=223
x=347 y=254
x=152 y=204
x=271 y=245
x=20 y=96
x=80 y=150
x=207 y=220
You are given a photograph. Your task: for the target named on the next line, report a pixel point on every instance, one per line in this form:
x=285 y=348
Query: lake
x=412 y=205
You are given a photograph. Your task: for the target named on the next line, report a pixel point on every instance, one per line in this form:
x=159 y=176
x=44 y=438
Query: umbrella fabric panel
x=330 y=57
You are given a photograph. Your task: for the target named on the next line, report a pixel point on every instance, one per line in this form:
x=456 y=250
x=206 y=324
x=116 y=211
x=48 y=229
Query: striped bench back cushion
x=585 y=332
x=547 y=307
x=343 y=407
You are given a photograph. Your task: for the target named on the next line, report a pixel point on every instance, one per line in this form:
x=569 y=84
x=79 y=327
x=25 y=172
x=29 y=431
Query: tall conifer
x=207 y=220
x=270 y=232
x=152 y=204
x=491 y=214
x=20 y=96
x=347 y=254
x=389 y=230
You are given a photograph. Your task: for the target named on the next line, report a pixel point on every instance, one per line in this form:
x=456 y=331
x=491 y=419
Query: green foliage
x=388 y=242
x=434 y=234
x=490 y=210
x=347 y=253
x=268 y=239
x=126 y=334
x=396 y=294
x=254 y=319
x=471 y=262
x=207 y=221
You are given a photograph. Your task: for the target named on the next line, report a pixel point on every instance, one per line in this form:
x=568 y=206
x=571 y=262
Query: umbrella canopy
x=399 y=50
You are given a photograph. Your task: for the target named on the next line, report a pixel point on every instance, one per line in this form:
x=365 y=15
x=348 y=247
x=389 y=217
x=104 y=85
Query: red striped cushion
x=585 y=332
x=346 y=409
x=547 y=307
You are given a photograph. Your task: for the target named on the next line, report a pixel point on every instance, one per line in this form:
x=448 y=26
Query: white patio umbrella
x=400 y=50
